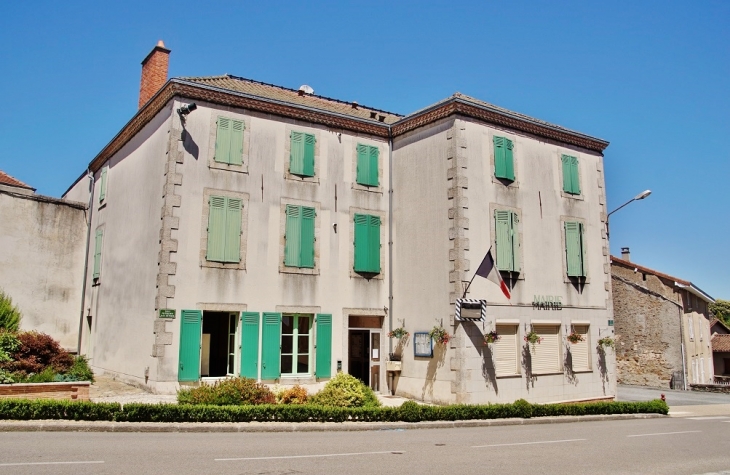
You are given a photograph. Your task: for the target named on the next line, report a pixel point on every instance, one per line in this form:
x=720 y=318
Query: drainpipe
x=86 y=259
x=390 y=237
x=681 y=337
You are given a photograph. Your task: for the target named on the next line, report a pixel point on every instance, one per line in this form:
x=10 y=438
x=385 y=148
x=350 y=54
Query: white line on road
x=528 y=443
x=666 y=433
x=311 y=456
x=17 y=464
x=707 y=418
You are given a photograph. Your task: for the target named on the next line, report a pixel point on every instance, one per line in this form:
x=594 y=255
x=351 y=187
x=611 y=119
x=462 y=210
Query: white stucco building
x=277 y=234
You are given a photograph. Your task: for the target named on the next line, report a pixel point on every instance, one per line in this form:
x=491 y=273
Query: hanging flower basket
x=607 y=341
x=575 y=337
x=491 y=337
x=399 y=333
x=440 y=335
x=533 y=338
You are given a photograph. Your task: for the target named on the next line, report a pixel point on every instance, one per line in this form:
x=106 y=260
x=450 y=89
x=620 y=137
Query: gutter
x=92 y=184
x=693 y=289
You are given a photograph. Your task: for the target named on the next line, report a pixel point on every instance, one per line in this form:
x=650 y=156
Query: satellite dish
x=306 y=89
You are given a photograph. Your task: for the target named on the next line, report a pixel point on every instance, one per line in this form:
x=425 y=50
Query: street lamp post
x=640 y=196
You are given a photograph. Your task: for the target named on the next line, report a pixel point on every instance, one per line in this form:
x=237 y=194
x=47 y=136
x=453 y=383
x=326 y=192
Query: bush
x=36 y=352
x=345 y=390
x=80 y=370
x=9 y=314
x=9 y=344
x=409 y=411
x=231 y=391
x=24 y=410
x=45 y=376
x=295 y=395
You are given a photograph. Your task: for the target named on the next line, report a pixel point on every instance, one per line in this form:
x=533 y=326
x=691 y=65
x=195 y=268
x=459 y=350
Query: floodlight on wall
x=187 y=109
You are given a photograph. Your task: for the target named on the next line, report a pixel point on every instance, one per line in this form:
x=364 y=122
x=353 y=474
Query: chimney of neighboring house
x=625 y=254
x=154 y=72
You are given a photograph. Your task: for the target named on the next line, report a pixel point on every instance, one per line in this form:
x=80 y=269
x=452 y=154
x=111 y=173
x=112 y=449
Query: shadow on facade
x=527 y=367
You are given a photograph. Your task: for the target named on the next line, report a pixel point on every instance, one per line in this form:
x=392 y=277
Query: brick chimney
x=625 y=254
x=154 y=72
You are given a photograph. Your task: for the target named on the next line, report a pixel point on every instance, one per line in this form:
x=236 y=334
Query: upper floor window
x=367 y=243
x=575 y=251
x=98 y=243
x=102 y=184
x=229 y=141
x=507 y=240
x=367 y=165
x=299 y=236
x=571 y=178
x=301 y=155
x=504 y=166
x=224 y=229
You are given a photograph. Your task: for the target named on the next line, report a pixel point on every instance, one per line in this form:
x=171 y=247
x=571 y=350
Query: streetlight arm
x=630 y=201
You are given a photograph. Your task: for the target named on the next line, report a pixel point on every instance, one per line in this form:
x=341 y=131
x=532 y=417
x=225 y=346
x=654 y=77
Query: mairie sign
x=547 y=302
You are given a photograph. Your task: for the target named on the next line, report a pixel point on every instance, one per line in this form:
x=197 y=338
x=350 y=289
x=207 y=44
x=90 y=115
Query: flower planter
x=393 y=365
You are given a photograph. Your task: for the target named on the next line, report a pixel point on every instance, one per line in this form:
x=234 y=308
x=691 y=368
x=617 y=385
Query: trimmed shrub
x=36 y=352
x=231 y=391
x=24 y=410
x=9 y=314
x=294 y=395
x=409 y=411
x=80 y=370
x=345 y=390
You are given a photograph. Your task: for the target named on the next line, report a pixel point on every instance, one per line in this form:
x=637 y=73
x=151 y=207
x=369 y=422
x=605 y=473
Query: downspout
x=684 y=361
x=86 y=259
x=390 y=236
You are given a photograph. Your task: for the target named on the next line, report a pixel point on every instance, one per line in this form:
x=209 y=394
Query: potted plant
x=399 y=333
x=574 y=337
x=491 y=337
x=440 y=335
x=533 y=338
x=607 y=341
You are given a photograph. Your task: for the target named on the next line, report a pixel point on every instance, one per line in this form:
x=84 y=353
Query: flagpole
x=475 y=274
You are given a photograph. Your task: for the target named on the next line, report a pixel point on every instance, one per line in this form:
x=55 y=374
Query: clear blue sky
x=653 y=78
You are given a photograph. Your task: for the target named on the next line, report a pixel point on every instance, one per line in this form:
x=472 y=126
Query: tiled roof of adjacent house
x=293 y=96
x=647 y=270
x=6 y=179
x=721 y=343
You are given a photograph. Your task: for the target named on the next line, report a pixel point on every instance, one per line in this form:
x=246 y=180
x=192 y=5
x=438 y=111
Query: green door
x=250 y=345
x=190 y=328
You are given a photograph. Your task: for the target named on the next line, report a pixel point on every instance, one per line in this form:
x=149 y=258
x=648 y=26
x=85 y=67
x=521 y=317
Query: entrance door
x=359 y=355
x=189 y=359
x=219 y=344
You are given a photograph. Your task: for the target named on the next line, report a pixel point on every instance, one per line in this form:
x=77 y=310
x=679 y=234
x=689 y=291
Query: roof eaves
x=647 y=270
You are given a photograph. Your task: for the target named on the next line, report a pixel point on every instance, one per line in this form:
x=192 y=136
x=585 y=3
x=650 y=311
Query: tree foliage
x=9 y=313
x=721 y=310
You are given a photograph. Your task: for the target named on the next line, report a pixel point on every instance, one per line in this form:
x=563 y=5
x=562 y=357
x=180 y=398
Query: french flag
x=489 y=271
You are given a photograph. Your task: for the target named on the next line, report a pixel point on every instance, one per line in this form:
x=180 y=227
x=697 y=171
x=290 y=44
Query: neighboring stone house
x=276 y=234
x=720 y=350
x=42 y=247
x=662 y=325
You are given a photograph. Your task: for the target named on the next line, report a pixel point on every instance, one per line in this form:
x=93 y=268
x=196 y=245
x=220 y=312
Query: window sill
x=213 y=165
x=549 y=373
x=298 y=270
x=290 y=379
x=368 y=188
x=302 y=178
x=579 y=371
x=509 y=376
x=572 y=196
x=223 y=265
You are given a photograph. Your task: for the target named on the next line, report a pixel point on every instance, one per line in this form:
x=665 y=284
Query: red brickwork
x=154 y=73
x=78 y=391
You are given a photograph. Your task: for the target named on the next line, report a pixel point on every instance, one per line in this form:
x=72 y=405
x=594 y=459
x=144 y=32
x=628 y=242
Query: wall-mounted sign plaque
x=422 y=345
x=167 y=313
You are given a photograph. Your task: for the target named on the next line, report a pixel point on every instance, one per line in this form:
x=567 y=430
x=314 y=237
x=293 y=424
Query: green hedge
x=18 y=409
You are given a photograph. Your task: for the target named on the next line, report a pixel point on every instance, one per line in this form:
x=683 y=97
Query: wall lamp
x=187 y=109
x=638 y=197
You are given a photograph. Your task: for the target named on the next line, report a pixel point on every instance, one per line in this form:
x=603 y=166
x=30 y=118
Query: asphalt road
x=652 y=446
x=674 y=397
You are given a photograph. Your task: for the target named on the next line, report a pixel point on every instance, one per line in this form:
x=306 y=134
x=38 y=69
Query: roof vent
x=381 y=118
x=373 y=114
x=354 y=104
x=304 y=89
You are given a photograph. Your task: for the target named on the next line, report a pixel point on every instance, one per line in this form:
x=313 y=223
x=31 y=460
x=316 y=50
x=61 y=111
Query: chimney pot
x=154 y=72
x=625 y=254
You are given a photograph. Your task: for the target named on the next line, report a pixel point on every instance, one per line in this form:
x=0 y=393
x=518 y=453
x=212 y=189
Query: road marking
x=396 y=452
x=17 y=464
x=708 y=418
x=666 y=433
x=528 y=443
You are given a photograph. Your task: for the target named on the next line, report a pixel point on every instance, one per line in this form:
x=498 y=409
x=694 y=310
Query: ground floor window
x=545 y=355
x=580 y=350
x=506 y=351
x=296 y=345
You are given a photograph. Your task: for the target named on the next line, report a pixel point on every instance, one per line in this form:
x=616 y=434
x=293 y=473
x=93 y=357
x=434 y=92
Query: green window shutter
x=307 y=237
x=363 y=164
x=500 y=166
x=574 y=177
x=374 y=157
x=296 y=154
x=223 y=141
x=374 y=244
x=102 y=185
x=98 y=241
x=362 y=236
x=293 y=236
x=216 y=229
x=574 y=249
x=509 y=164
x=250 y=345
x=232 y=251
x=236 y=146
x=271 y=346
x=309 y=142
x=567 y=174
x=583 y=260
x=503 y=227
x=323 y=363
x=515 y=241
x=189 y=359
